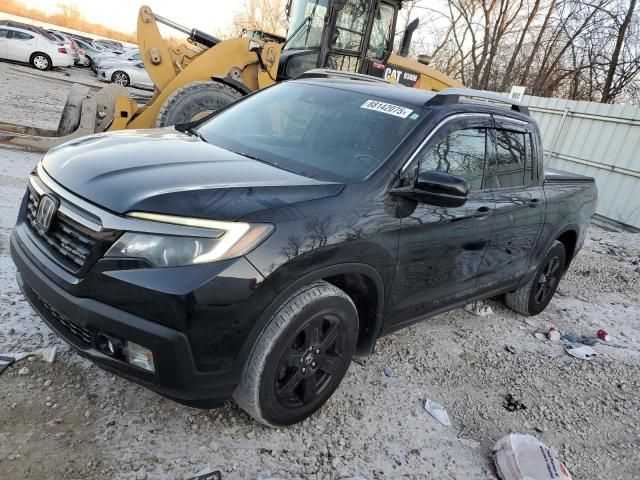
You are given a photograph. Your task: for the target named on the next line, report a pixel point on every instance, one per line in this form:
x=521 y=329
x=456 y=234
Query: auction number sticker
x=388 y=108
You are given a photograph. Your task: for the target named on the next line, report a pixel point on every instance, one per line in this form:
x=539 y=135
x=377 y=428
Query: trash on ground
x=524 y=457
x=540 y=336
x=388 y=372
x=553 y=334
x=207 y=476
x=583 y=353
x=603 y=335
x=47 y=354
x=437 y=411
x=512 y=404
x=5 y=362
x=573 y=337
x=510 y=349
x=479 y=309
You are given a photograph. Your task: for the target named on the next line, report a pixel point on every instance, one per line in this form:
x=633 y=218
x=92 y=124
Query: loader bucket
x=83 y=114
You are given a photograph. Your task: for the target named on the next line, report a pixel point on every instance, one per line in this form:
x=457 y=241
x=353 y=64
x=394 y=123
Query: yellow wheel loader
x=205 y=74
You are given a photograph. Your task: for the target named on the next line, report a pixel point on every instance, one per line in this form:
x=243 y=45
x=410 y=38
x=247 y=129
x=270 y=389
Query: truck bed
x=553 y=175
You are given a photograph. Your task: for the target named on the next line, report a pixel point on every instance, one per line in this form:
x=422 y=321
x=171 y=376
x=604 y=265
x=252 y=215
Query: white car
x=127 y=74
x=27 y=46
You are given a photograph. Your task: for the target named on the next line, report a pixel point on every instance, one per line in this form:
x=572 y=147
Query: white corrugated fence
x=598 y=140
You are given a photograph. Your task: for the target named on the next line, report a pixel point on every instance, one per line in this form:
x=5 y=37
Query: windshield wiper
x=190 y=130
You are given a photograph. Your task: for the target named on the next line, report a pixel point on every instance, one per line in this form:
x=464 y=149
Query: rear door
x=440 y=248
x=519 y=201
x=21 y=45
x=4 y=32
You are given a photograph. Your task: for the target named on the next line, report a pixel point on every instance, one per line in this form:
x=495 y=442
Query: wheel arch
x=360 y=281
x=38 y=52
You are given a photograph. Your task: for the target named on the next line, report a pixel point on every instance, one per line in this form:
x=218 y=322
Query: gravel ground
x=72 y=420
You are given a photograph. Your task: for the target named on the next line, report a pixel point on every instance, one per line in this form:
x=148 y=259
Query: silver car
x=127 y=74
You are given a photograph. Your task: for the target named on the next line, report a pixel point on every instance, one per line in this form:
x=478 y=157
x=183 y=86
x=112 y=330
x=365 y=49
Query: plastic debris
x=553 y=334
x=437 y=411
x=479 y=309
x=603 y=335
x=388 y=372
x=5 y=362
x=207 y=475
x=47 y=354
x=583 y=353
x=573 y=337
x=524 y=457
x=512 y=404
x=540 y=336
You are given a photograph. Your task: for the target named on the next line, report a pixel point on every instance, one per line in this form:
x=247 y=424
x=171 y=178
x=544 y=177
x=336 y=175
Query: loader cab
x=348 y=35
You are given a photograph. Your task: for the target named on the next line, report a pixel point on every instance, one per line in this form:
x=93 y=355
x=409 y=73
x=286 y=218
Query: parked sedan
x=68 y=43
x=29 y=46
x=89 y=52
x=127 y=74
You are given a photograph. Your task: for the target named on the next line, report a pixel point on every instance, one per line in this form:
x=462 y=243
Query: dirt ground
x=72 y=420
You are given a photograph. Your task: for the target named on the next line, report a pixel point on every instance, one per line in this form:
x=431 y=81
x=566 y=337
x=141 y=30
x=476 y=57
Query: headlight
x=227 y=240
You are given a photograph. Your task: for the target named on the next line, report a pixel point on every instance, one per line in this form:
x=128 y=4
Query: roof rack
x=452 y=95
x=337 y=74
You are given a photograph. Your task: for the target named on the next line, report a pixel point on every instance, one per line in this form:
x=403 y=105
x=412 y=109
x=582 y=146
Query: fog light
x=139 y=356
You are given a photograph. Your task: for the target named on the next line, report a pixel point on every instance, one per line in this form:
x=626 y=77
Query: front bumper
x=77 y=319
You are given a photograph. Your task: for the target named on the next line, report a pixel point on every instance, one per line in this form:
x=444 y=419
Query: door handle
x=482 y=212
x=534 y=202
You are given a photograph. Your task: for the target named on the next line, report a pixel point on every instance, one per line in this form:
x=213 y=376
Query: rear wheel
x=534 y=297
x=194 y=101
x=301 y=357
x=41 y=61
x=120 y=78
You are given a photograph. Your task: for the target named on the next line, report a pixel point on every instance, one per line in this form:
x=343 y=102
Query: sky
x=208 y=15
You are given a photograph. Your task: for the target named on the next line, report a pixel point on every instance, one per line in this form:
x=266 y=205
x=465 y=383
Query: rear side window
x=508 y=165
x=3 y=33
x=21 y=36
x=461 y=153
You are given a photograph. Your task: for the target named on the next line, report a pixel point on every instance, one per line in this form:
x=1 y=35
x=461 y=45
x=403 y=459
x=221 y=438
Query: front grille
x=85 y=335
x=70 y=246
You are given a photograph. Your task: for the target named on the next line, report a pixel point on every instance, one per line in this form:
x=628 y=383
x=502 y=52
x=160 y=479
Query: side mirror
x=441 y=189
x=437 y=188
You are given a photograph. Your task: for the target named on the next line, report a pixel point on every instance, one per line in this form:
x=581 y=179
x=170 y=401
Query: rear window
x=317 y=131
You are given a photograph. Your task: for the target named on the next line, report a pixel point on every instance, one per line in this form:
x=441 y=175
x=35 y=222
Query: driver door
x=358 y=33
x=441 y=248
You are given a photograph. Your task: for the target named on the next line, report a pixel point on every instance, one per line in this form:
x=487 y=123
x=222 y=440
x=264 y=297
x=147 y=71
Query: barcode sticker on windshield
x=388 y=108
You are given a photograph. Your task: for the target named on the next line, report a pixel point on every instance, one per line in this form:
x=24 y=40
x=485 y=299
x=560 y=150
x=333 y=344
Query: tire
x=301 y=356
x=87 y=61
x=41 y=61
x=120 y=78
x=534 y=297
x=194 y=101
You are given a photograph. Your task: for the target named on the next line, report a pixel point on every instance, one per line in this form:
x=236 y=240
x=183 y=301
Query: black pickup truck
x=254 y=253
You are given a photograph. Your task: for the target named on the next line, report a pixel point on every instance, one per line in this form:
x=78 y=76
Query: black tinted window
x=461 y=153
x=508 y=165
x=529 y=174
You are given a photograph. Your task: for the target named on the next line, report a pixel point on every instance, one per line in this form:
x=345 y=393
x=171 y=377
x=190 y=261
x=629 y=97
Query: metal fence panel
x=598 y=140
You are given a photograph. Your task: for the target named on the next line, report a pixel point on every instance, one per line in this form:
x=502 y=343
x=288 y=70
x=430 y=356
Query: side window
x=3 y=33
x=508 y=165
x=529 y=174
x=461 y=153
x=21 y=36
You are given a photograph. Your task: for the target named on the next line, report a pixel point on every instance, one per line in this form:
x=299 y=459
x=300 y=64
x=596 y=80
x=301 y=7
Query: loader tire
x=70 y=119
x=194 y=101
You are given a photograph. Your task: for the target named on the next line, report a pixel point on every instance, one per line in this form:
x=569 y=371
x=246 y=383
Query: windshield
x=316 y=131
x=310 y=35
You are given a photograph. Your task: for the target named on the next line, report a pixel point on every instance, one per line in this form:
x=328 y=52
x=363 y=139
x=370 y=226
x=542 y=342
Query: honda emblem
x=47 y=209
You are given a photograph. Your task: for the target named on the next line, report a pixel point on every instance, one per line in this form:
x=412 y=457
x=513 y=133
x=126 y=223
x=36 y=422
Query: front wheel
x=534 y=297
x=301 y=357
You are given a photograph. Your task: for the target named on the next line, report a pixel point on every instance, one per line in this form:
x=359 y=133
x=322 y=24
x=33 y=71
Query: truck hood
x=164 y=171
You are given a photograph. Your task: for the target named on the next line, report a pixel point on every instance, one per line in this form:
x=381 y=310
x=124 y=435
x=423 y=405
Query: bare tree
x=265 y=15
